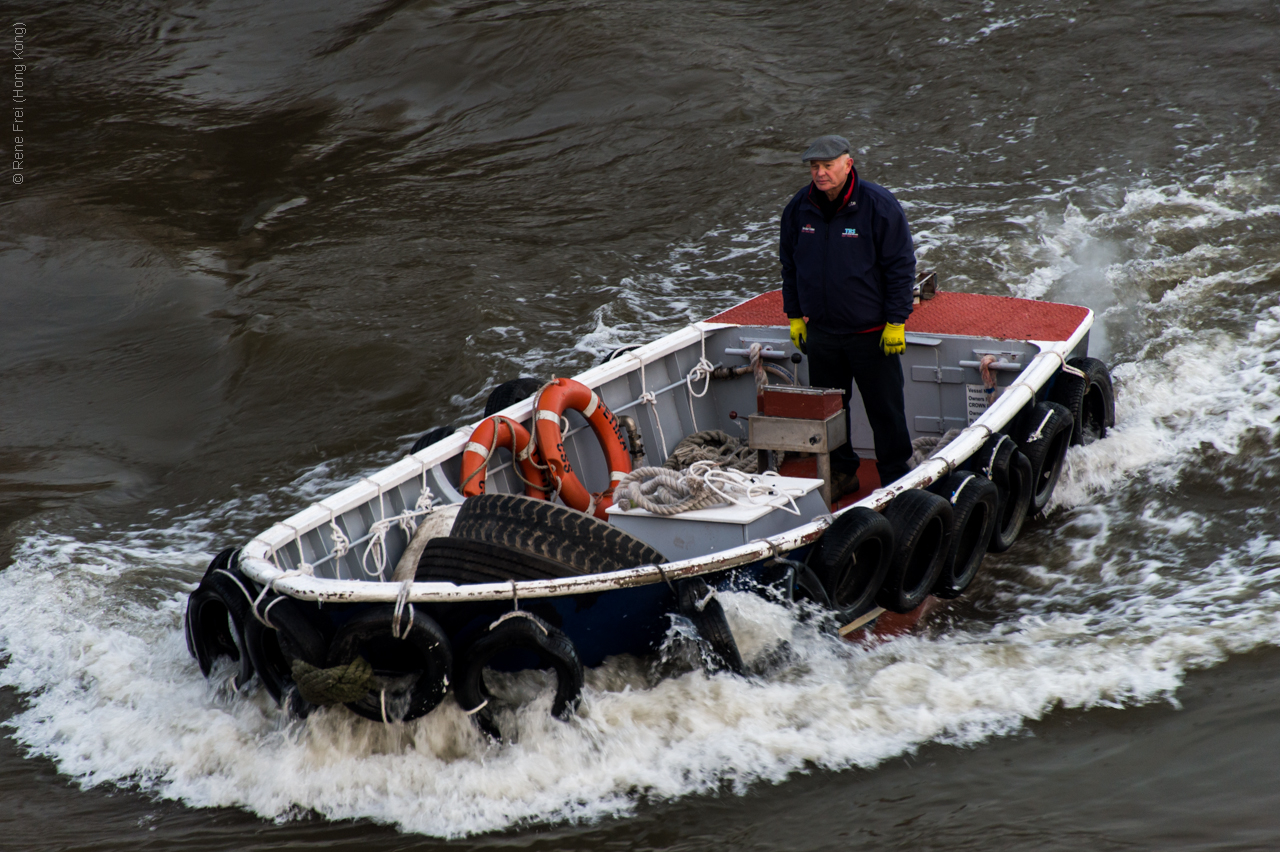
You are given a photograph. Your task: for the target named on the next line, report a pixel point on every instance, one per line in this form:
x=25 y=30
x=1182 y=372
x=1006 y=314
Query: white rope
x=648 y=398
x=236 y=580
x=519 y=613
x=377 y=548
x=701 y=372
x=666 y=492
x=425 y=504
x=967 y=480
x=702 y=604
x=750 y=489
x=1035 y=436
x=265 y=616
x=402 y=603
x=304 y=566
x=303 y=571
x=991 y=462
x=341 y=544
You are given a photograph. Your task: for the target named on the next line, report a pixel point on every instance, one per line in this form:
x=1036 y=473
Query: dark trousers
x=837 y=360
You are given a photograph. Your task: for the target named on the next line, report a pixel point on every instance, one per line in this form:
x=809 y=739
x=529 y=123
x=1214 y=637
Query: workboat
x=589 y=517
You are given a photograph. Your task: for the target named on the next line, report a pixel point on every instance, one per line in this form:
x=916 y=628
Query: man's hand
x=893 y=340
x=799 y=333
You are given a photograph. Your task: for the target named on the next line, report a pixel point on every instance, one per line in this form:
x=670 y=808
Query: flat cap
x=827 y=148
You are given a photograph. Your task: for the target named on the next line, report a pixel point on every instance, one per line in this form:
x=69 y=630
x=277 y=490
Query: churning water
x=259 y=248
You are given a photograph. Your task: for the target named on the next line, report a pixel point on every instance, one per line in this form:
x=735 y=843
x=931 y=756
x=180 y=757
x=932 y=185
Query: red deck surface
x=998 y=317
x=868 y=476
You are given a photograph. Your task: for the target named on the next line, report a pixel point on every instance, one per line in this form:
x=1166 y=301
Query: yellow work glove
x=894 y=338
x=799 y=333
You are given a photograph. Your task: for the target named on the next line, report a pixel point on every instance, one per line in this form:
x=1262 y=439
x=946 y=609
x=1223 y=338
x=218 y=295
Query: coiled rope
x=661 y=491
x=712 y=445
x=927 y=446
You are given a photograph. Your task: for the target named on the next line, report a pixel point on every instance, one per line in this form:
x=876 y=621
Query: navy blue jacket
x=853 y=274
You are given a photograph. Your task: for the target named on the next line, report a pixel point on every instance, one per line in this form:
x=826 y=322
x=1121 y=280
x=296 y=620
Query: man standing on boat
x=848 y=264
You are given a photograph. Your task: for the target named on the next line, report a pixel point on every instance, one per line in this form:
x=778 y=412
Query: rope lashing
x=757 y=367
x=377 y=549
x=402 y=603
x=303 y=565
x=991 y=461
x=424 y=505
x=648 y=398
x=988 y=377
x=520 y=613
x=1037 y=434
x=967 y=480
x=702 y=371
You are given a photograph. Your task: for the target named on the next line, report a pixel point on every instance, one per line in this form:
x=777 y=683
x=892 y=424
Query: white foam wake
x=1130 y=583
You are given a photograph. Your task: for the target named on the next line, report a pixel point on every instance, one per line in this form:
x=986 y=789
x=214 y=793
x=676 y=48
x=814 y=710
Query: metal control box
x=801 y=403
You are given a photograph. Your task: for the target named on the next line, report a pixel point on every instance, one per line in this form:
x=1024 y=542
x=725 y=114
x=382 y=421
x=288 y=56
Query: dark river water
x=254 y=249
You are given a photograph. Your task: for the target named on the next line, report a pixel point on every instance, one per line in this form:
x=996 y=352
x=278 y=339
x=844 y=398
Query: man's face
x=829 y=175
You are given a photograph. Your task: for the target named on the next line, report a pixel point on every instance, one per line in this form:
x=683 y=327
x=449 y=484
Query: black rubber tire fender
x=423 y=648
x=620 y=351
x=510 y=392
x=1091 y=399
x=994 y=458
x=1045 y=444
x=273 y=648
x=217 y=612
x=921 y=524
x=542 y=528
x=1015 y=504
x=431 y=436
x=698 y=603
x=974 y=501
x=461 y=561
x=852 y=559
x=519 y=630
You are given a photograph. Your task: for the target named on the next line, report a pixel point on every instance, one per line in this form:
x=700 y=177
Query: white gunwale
x=256 y=559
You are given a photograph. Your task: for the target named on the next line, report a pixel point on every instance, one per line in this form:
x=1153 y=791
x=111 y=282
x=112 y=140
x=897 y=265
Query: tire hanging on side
x=518 y=630
x=974 y=503
x=274 y=647
x=1045 y=444
x=921 y=531
x=1000 y=461
x=431 y=436
x=1091 y=399
x=510 y=392
x=217 y=612
x=698 y=603
x=852 y=560
x=411 y=670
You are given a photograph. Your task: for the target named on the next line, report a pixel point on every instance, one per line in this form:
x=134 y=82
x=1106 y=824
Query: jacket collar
x=850 y=196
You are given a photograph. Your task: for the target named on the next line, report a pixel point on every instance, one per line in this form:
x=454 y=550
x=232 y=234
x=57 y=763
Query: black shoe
x=842 y=483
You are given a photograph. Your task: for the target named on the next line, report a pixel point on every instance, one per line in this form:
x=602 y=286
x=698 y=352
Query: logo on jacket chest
x=807 y=229
x=850 y=232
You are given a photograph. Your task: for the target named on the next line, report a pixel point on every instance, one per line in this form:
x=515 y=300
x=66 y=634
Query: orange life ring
x=492 y=433
x=564 y=394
